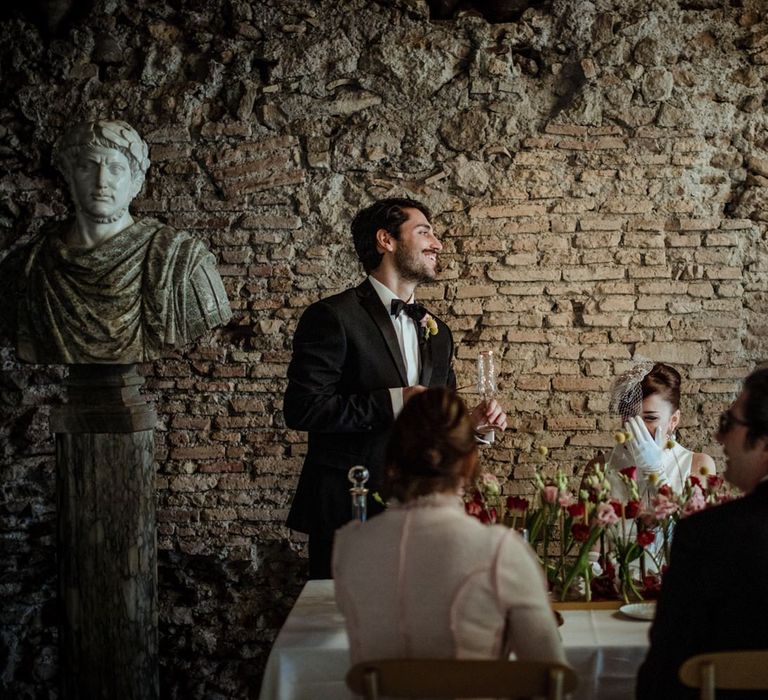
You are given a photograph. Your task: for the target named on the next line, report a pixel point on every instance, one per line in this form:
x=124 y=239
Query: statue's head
x=104 y=163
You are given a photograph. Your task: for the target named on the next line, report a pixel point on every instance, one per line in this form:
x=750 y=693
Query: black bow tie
x=414 y=311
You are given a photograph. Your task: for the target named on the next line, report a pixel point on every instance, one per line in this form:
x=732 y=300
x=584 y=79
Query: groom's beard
x=412 y=267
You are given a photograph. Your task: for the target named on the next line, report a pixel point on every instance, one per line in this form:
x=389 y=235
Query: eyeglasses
x=728 y=421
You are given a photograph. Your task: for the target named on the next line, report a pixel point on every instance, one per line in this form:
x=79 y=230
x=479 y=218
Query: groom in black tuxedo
x=715 y=592
x=357 y=358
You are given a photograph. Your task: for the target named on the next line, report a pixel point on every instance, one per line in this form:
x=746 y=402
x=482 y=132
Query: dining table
x=310 y=656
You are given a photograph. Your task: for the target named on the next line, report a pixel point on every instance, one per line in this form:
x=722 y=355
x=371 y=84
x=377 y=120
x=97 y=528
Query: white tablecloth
x=310 y=656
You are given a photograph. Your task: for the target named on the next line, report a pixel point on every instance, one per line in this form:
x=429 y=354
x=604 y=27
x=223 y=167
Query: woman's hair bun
x=429 y=441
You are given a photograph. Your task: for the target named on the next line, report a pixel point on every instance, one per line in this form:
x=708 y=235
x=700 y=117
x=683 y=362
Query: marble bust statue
x=104 y=288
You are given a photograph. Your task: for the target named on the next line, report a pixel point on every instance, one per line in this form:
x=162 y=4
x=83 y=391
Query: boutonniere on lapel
x=429 y=325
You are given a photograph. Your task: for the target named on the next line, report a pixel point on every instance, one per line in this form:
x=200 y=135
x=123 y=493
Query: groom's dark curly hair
x=384 y=213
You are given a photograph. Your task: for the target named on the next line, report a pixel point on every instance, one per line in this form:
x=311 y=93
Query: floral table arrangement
x=591 y=543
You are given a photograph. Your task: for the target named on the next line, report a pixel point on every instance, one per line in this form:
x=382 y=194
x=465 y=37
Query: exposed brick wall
x=599 y=180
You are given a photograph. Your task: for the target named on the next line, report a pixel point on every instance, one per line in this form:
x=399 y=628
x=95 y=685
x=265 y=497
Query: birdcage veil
x=627 y=393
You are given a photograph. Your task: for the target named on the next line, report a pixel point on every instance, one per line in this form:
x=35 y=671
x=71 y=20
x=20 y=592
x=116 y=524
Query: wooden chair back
x=726 y=670
x=460 y=678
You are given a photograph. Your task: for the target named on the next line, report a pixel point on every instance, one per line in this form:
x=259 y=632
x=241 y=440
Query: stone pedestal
x=106 y=536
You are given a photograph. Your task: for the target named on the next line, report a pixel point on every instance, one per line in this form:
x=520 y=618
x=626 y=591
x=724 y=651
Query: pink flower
x=489 y=485
x=606 y=515
x=663 y=506
x=566 y=499
x=695 y=502
x=550 y=494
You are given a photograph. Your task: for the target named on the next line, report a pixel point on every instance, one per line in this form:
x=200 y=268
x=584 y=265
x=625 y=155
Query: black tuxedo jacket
x=346 y=357
x=714 y=596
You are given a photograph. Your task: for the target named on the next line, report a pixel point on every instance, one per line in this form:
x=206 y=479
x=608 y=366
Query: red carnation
x=665 y=490
x=629 y=472
x=645 y=537
x=616 y=507
x=580 y=532
x=488 y=517
x=517 y=503
x=632 y=509
x=473 y=508
x=714 y=481
x=577 y=510
x=694 y=480
x=652 y=584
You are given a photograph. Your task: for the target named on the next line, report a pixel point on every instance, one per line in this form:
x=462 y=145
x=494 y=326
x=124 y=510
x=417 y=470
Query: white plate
x=640 y=611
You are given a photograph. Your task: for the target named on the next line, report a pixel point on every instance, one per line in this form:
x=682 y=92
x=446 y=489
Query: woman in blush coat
x=423 y=579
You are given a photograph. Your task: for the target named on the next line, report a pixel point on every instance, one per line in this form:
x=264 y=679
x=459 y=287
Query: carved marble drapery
x=133 y=298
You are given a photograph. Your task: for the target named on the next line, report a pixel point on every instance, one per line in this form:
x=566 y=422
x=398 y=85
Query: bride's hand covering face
x=646 y=451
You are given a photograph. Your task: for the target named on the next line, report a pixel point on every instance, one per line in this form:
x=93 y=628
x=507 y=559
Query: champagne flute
x=486 y=386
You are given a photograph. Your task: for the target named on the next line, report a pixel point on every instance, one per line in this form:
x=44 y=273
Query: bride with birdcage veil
x=647 y=399
x=648 y=464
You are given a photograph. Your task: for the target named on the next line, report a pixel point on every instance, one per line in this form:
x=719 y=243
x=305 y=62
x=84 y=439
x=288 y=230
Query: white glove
x=644 y=449
x=594 y=563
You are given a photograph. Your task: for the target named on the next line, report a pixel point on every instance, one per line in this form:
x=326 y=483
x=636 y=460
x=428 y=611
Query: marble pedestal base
x=106 y=536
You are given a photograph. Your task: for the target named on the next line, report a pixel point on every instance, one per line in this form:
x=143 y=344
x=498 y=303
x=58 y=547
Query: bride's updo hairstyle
x=430 y=441
x=665 y=381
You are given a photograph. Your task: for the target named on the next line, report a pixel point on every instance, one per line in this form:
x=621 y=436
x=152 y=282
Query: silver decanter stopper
x=358 y=476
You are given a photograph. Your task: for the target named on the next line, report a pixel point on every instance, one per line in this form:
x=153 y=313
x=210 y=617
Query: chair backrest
x=460 y=678
x=726 y=670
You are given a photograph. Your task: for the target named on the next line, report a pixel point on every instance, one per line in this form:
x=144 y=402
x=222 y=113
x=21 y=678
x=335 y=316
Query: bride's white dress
x=675 y=461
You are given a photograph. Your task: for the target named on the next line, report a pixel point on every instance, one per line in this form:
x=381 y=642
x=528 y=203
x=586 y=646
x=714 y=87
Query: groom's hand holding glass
x=487 y=416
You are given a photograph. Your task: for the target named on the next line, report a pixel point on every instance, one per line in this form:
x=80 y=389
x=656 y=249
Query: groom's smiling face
x=417 y=248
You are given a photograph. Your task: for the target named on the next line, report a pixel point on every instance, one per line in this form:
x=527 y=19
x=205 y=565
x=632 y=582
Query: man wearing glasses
x=715 y=593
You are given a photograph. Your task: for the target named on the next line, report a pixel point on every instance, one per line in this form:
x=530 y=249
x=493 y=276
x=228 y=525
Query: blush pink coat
x=426 y=580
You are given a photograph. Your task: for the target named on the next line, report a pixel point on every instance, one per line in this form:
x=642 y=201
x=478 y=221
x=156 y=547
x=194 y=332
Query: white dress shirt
x=407 y=337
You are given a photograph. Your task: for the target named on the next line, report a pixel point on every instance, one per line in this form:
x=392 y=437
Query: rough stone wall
x=599 y=172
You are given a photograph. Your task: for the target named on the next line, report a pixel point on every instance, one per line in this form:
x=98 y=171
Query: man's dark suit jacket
x=714 y=596
x=346 y=357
